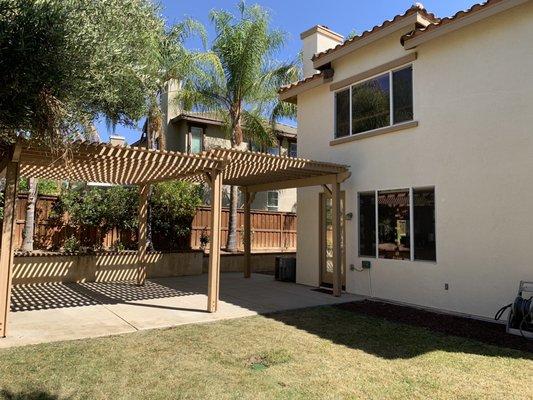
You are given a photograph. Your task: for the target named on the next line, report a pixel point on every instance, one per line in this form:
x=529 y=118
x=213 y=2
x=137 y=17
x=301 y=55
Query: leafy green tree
x=238 y=79
x=174 y=62
x=65 y=62
x=100 y=208
x=173 y=206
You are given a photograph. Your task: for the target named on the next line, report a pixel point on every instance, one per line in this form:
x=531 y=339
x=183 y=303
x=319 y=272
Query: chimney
x=117 y=140
x=316 y=40
x=169 y=106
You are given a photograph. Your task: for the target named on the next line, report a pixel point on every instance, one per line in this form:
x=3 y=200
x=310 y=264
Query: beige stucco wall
x=105 y=267
x=473 y=91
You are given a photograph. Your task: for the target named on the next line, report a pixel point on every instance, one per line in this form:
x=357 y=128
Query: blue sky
x=294 y=17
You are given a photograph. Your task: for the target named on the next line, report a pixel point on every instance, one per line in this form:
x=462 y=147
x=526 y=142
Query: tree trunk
x=231 y=243
x=29 y=225
x=236 y=140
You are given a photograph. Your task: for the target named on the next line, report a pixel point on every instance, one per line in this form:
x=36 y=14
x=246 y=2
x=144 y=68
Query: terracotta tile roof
x=417 y=8
x=447 y=20
x=301 y=82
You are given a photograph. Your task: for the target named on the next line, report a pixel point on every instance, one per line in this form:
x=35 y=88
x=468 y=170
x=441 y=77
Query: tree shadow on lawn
x=382 y=338
x=27 y=395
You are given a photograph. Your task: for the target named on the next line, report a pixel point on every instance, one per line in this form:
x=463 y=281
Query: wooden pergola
x=104 y=163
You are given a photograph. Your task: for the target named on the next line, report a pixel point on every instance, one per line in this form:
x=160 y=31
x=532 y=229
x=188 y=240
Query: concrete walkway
x=53 y=312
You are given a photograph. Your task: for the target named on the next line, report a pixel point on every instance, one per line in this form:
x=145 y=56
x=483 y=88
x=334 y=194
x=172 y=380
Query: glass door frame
x=322 y=238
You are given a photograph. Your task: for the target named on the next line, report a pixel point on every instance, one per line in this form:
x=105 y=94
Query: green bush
x=99 y=208
x=173 y=208
x=72 y=245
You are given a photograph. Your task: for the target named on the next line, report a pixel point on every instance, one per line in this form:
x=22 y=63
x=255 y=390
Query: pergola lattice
x=104 y=163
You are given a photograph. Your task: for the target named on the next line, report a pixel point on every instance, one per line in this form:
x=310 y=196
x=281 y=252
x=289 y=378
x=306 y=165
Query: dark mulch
x=483 y=331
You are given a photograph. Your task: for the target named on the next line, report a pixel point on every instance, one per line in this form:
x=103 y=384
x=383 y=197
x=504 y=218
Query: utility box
x=285 y=269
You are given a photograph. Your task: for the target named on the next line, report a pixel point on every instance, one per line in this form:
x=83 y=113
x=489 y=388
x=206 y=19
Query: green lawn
x=319 y=353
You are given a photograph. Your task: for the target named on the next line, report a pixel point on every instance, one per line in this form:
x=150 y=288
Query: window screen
x=367 y=224
x=402 y=82
x=424 y=224
x=342 y=113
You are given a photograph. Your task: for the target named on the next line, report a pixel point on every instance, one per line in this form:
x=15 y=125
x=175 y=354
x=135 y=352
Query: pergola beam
x=213 y=278
x=142 y=240
x=336 y=225
x=302 y=182
x=8 y=228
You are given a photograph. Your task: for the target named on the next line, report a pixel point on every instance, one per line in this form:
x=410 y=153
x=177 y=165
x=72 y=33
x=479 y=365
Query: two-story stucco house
x=194 y=132
x=434 y=117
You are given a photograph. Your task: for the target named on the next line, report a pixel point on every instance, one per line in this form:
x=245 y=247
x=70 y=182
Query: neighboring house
x=434 y=118
x=194 y=132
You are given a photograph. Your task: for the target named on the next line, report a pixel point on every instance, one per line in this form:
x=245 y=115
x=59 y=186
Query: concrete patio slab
x=54 y=312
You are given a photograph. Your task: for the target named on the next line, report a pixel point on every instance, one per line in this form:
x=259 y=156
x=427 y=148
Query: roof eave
x=413 y=19
x=456 y=24
x=291 y=95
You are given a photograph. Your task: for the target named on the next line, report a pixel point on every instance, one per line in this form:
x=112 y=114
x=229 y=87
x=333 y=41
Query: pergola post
x=248 y=199
x=336 y=224
x=213 y=277
x=6 y=251
x=142 y=240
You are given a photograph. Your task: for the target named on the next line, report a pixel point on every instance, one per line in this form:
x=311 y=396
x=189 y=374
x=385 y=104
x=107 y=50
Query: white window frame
x=391 y=100
x=276 y=207
x=411 y=222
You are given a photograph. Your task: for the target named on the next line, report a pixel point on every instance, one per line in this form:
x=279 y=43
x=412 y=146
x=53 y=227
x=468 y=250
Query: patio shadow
x=64 y=295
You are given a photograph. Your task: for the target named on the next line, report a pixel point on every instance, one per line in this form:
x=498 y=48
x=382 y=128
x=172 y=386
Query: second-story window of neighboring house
x=274 y=150
x=293 y=150
x=272 y=201
x=375 y=103
x=197 y=139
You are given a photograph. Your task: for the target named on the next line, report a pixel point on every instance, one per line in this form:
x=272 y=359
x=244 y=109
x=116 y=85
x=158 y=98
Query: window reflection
x=393 y=225
x=424 y=224
x=371 y=104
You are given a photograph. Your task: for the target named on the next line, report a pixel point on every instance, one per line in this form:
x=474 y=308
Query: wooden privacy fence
x=270 y=230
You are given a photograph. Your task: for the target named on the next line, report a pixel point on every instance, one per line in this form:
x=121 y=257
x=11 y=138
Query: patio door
x=326 y=240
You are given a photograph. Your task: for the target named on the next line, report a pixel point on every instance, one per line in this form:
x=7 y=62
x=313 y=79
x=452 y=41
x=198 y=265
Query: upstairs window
x=197 y=140
x=402 y=84
x=272 y=201
x=274 y=150
x=293 y=150
x=342 y=113
x=371 y=104
x=378 y=102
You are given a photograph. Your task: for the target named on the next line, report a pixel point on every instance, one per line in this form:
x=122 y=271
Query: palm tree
x=238 y=79
x=174 y=62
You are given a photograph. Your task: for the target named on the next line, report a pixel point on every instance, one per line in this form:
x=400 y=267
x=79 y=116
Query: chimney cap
x=324 y=30
x=116 y=140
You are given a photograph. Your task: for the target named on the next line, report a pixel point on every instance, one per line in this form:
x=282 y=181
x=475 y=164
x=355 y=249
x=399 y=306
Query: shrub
x=99 y=208
x=173 y=205
x=72 y=245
